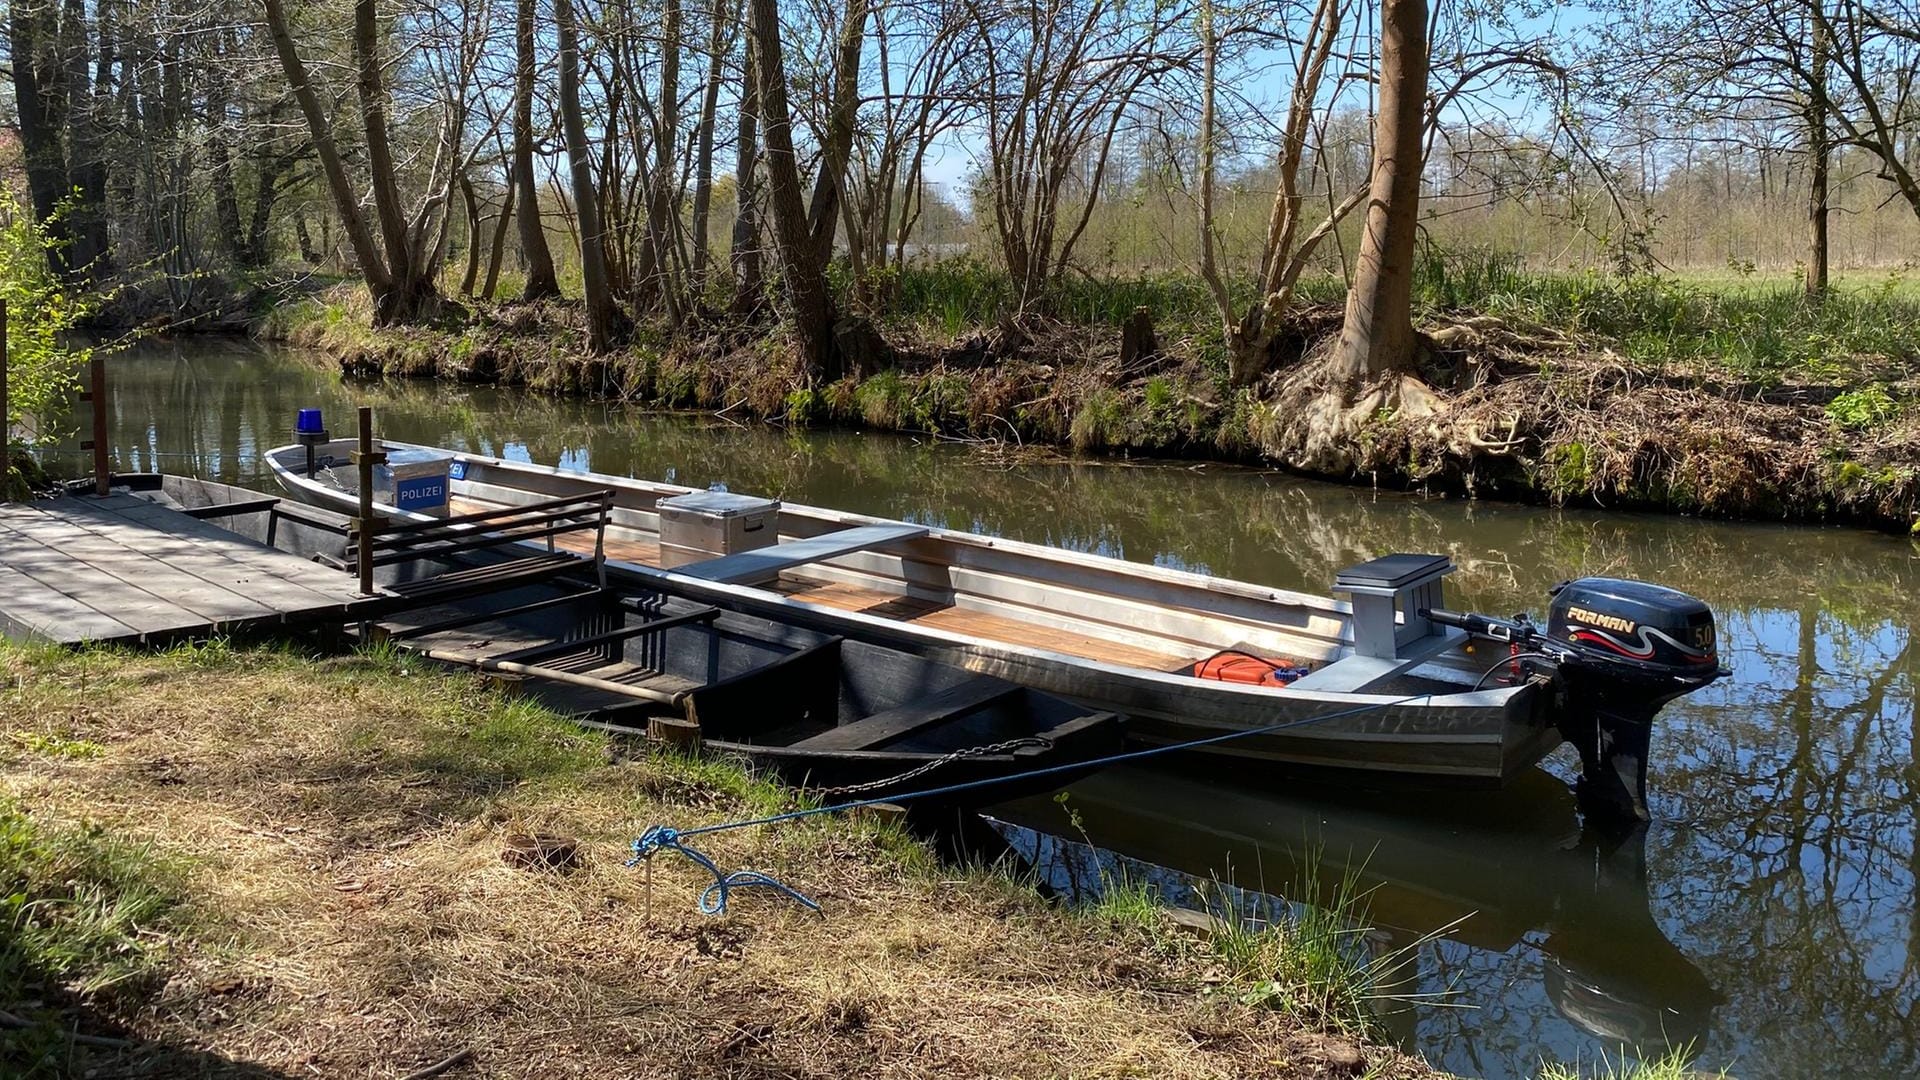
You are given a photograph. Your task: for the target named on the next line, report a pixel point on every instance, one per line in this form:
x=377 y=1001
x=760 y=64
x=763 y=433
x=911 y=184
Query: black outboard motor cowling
x=1618 y=651
x=1624 y=649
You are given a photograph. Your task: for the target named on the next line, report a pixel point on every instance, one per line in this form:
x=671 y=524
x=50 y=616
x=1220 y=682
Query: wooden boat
x=1116 y=635
x=820 y=711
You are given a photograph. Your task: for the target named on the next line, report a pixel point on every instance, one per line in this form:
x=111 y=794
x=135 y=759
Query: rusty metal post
x=97 y=377
x=366 y=525
x=6 y=425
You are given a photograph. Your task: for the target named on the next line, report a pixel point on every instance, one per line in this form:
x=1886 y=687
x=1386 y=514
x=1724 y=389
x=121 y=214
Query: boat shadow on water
x=1422 y=875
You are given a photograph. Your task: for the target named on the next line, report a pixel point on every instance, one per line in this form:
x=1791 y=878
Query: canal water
x=1767 y=915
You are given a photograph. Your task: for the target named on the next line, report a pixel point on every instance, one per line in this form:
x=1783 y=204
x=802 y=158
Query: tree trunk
x=472 y=273
x=601 y=314
x=745 y=250
x=1377 y=335
x=658 y=265
x=226 y=199
x=703 y=151
x=499 y=246
x=309 y=254
x=541 y=280
x=86 y=154
x=271 y=170
x=37 y=104
x=806 y=279
x=346 y=200
x=406 y=292
x=823 y=214
x=1819 y=154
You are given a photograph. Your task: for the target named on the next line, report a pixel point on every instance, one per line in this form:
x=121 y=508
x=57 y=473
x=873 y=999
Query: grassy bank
x=274 y=864
x=1731 y=397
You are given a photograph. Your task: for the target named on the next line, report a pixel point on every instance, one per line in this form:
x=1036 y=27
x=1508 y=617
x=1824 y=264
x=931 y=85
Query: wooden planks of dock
x=122 y=568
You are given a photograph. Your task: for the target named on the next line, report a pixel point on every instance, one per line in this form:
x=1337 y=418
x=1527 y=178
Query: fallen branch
x=440 y=1066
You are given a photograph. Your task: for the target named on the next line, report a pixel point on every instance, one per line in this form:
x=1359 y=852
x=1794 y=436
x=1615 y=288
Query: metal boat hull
x=1429 y=726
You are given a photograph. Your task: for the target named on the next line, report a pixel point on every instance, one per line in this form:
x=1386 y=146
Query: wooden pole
x=6 y=425
x=97 y=376
x=365 y=525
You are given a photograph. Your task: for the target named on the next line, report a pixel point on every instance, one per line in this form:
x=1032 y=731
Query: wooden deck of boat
x=121 y=568
x=846 y=597
x=978 y=624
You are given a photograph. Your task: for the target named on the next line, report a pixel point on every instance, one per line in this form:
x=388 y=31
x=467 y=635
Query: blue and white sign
x=457 y=470
x=420 y=493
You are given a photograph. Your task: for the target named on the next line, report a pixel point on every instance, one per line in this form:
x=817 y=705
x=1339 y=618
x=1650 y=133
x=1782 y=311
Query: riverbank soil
x=253 y=862
x=1726 y=400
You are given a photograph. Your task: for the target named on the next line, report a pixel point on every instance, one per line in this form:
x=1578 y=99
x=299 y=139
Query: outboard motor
x=1619 y=651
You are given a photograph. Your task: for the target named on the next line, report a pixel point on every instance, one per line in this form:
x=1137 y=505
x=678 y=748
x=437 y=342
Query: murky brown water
x=1768 y=914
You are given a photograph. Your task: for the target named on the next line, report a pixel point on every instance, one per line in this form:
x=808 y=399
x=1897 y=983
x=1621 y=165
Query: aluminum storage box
x=414 y=480
x=705 y=525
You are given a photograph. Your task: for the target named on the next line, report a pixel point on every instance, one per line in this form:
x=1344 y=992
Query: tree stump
x=505 y=683
x=541 y=851
x=1138 y=345
x=861 y=347
x=683 y=735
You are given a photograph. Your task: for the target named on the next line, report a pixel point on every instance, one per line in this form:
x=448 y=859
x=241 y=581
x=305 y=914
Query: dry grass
x=339 y=823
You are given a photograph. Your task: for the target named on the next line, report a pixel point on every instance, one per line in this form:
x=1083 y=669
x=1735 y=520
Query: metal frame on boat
x=1114 y=634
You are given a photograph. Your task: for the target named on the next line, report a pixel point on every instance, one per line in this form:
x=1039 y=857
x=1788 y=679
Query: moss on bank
x=260 y=861
x=1507 y=408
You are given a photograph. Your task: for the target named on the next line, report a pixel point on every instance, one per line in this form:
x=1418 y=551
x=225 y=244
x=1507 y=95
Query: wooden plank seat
x=587 y=670
x=596 y=642
x=460 y=619
x=876 y=731
x=802 y=687
x=750 y=567
x=481 y=580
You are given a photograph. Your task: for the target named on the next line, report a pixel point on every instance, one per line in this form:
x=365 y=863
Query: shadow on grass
x=72 y=1038
x=84 y=918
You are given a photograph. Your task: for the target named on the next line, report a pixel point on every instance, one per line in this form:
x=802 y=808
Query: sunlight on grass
x=1675 y=1064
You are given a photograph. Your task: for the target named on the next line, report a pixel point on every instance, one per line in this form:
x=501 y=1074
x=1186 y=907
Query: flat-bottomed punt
x=1116 y=635
x=1388 y=682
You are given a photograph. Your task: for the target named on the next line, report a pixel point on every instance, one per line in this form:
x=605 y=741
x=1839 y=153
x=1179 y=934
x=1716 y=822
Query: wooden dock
x=121 y=568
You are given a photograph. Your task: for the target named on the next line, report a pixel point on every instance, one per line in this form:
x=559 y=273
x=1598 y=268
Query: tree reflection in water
x=1779 y=872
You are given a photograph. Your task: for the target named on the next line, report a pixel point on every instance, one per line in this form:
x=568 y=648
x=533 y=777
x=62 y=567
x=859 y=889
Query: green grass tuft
x=1861 y=410
x=1674 y=1064
x=1126 y=902
x=56 y=746
x=80 y=907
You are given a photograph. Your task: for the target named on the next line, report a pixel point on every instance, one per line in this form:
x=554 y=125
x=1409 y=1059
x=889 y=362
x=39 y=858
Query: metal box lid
x=418 y=457
x=720 y=504
x=1392 y=571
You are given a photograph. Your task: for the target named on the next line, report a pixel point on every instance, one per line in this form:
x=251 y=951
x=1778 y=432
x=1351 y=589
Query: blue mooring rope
x=713 y=899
